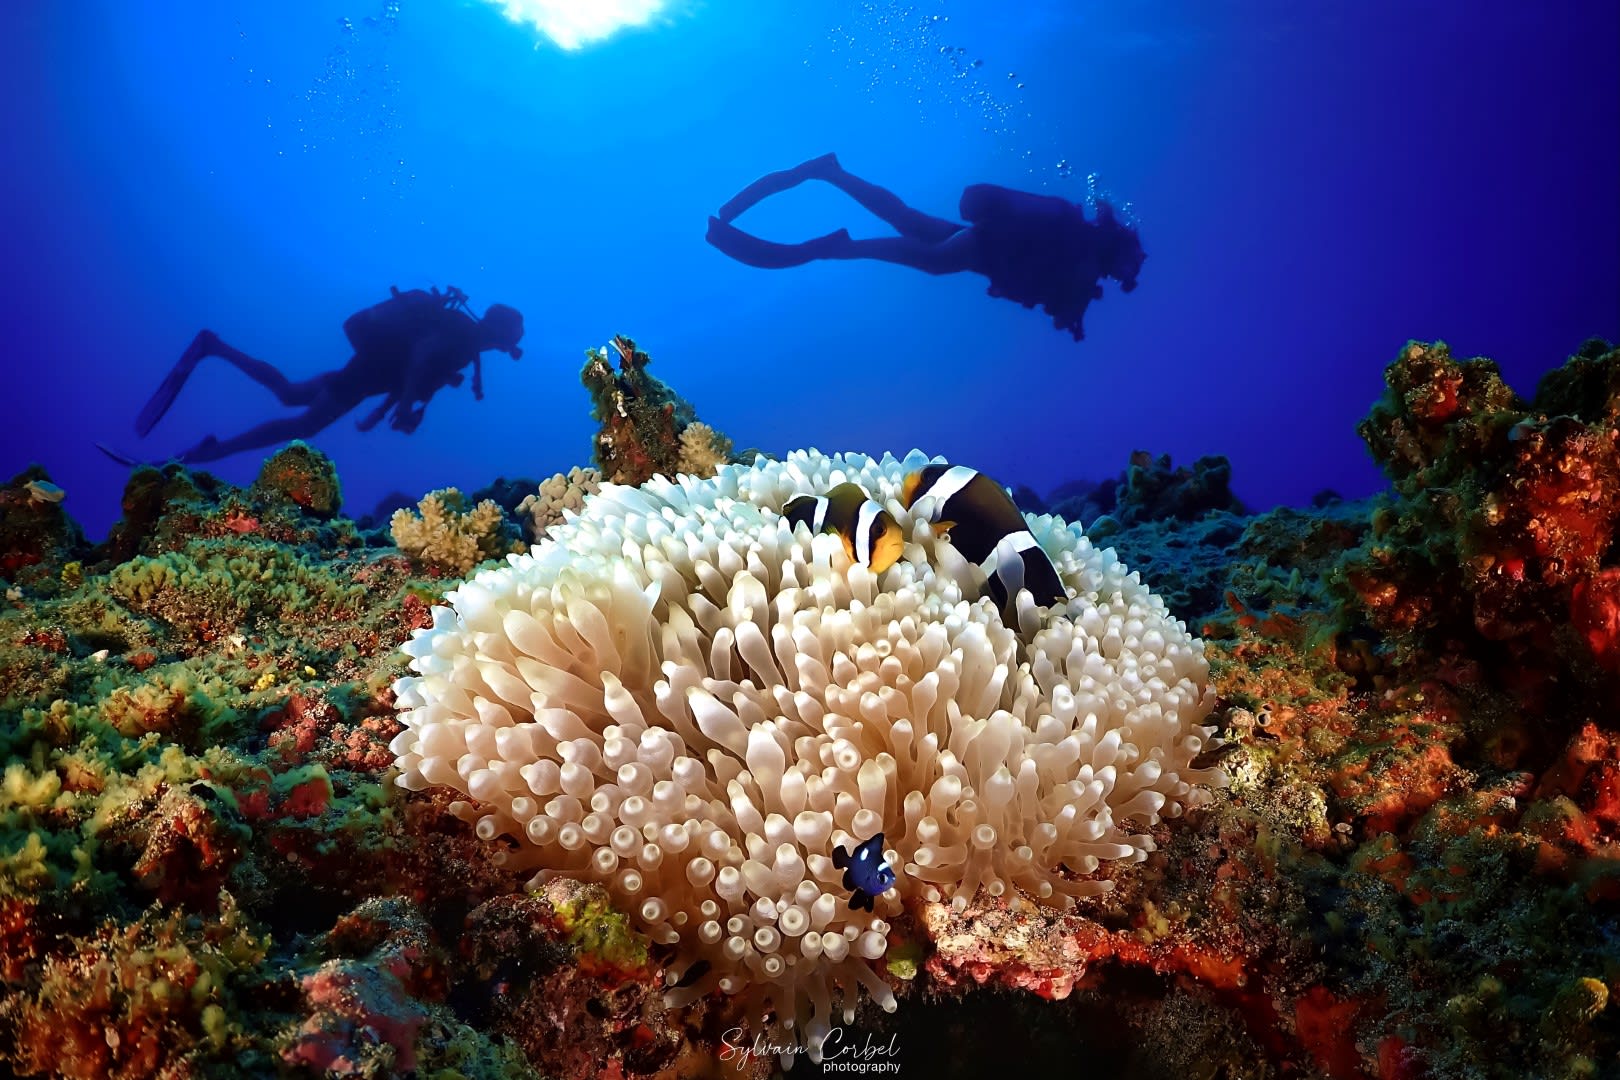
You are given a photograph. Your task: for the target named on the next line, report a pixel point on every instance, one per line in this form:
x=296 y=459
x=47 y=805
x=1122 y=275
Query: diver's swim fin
x=120 y=457
x=773 y=183
x=202 y=345
x=769 y=255
x=186 y=457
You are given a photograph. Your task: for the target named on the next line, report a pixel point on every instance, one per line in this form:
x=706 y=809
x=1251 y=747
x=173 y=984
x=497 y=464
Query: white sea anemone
x=681 y=698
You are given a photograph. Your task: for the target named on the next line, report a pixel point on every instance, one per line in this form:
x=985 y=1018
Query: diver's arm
x=477 y=377
x=421 y=377
x=371 y=419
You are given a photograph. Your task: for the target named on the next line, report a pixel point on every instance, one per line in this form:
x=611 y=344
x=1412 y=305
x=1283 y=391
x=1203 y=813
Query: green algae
x=598 y=930
x=904 y=959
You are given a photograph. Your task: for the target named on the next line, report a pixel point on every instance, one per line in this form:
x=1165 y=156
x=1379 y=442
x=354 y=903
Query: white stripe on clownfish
x=864 y=522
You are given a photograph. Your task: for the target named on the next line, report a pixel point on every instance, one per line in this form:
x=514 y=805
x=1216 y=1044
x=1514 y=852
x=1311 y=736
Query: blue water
x=1315 y=184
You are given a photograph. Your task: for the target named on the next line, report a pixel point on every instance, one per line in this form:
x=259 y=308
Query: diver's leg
x=207 y=343
x=772 y=183
x=268 y=376
x=768 y=255
x=885 y=204
x=270 y=433
x=904 y=251
x=879 y=200
x=954 y=255
x=202 y=345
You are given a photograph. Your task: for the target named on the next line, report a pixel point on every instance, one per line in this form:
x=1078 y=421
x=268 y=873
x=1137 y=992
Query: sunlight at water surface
x=574 y=24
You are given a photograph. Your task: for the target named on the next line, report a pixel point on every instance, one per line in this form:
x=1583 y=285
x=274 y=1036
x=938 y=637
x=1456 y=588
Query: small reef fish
x=871 y=535
x=978 y=517
x=44 y=491
x=866 y=873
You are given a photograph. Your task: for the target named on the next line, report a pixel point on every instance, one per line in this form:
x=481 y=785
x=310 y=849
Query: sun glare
x=574 y=24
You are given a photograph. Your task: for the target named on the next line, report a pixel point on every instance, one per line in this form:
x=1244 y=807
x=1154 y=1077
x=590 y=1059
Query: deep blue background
x=1314 y=189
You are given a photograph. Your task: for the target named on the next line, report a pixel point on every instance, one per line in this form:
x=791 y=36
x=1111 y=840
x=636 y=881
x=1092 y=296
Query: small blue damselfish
x=866 y=873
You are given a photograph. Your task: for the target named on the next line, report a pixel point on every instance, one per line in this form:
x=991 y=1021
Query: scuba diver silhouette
x=1034 y=249
x=407 y=348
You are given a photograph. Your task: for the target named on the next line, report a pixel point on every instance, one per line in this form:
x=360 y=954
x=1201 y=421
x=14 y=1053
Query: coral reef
x=1500 y=539
x=205 y=868
x=449 y=535
x=1148 y=490
x=301 y=475
x=647 y=429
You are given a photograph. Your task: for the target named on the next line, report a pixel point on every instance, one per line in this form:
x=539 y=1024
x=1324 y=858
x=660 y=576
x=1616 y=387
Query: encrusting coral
x=1502 y=534
x=679 y=696
x=448 y=535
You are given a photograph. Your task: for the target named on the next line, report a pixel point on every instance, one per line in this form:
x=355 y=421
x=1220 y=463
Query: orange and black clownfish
x=978 y=515
x=871 y=535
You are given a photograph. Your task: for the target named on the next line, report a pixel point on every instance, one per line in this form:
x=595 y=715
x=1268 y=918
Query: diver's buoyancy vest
x=394 y=323
x=1030 y=246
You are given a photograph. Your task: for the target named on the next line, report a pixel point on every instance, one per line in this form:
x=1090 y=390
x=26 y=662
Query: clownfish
x=867 y=873
x=871 y=535
x=977 y=516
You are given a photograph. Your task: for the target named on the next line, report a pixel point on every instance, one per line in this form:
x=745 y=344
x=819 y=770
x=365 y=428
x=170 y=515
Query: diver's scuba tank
x=394 y=322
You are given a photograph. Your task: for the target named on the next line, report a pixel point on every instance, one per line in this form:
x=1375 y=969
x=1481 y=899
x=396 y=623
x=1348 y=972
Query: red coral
x=1589 y=774
x=189 y=849
x=1403 y=775
x=1507 y=512
x=308 y=799
x=239 y=523
x=363 y=1018
x=1397 y=1060
x=19 y=937
x=50 y=639
x=1327 y=1026
x=418 y=614
x=311 y=728
x=1594 y=610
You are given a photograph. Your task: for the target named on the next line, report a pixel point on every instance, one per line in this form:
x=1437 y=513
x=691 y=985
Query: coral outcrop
x=647 y=429
x=38 y=539
x=1500 y=539
x=1149 y=489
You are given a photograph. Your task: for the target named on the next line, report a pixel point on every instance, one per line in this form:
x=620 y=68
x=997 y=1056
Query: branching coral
x=680 y=697
x=703 y=449
x=448 y=535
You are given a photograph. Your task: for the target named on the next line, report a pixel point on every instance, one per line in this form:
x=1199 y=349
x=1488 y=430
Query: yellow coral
x=703 y=449
x=556 y=496
x=449 y=537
